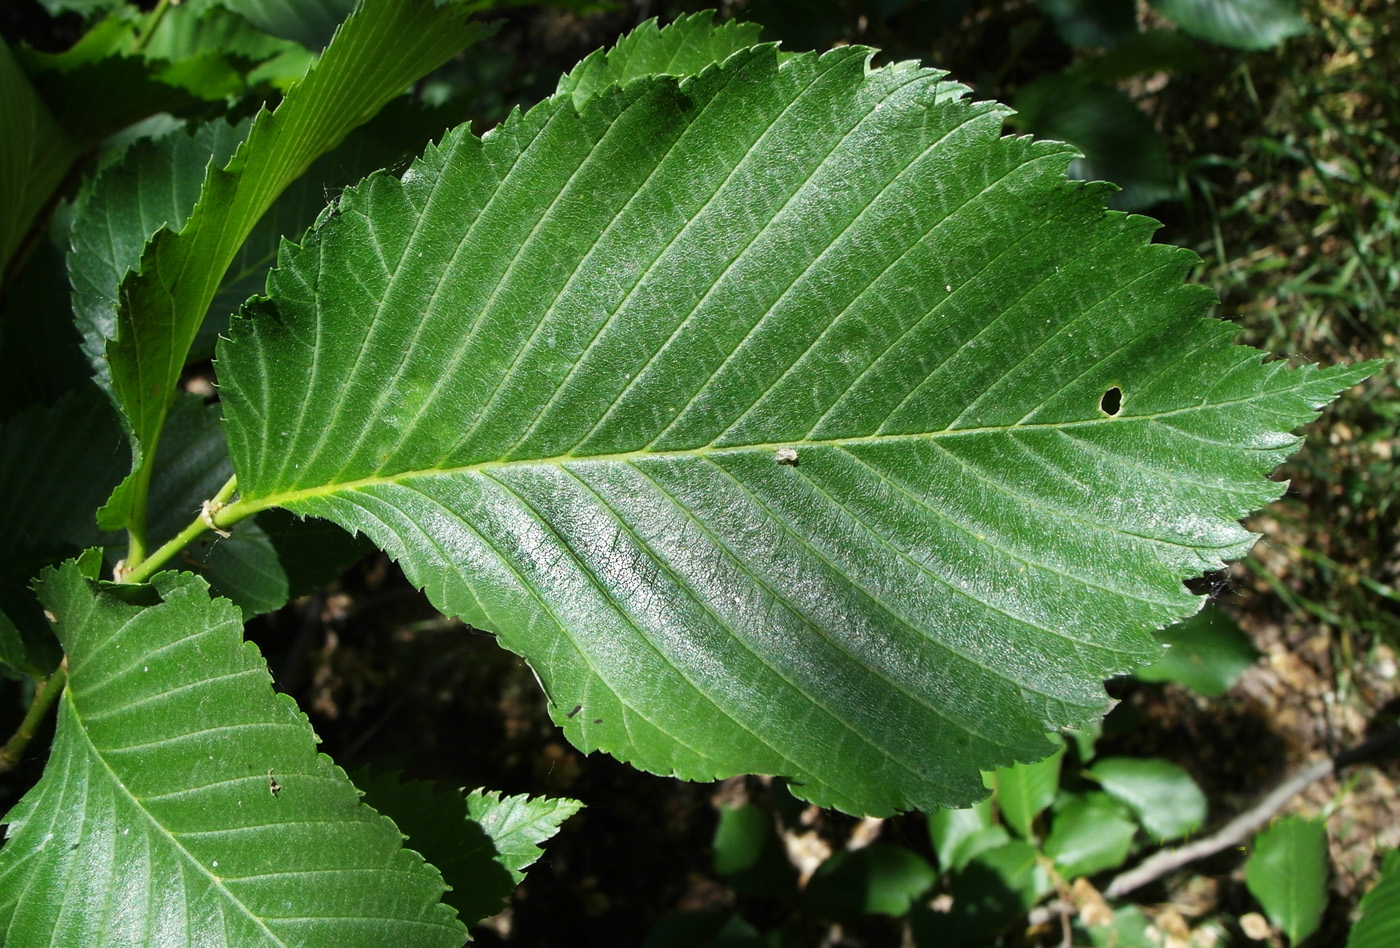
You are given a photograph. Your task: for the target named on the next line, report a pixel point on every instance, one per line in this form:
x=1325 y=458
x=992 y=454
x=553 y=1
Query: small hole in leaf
x=1112 y=401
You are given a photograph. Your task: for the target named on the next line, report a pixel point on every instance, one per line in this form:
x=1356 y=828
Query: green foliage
x=1024 y=790
x=1090 y=833
x=1379 y=924
x=1208 y=652
x=1161 y=794
x=1244 y=24
x=682 y=280
x=185 y=796
x=879 y=879
x=781 y=412
x=481 y=842
x=1287 y=873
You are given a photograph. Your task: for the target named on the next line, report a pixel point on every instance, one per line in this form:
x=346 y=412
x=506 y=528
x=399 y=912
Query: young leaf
x=155 y=184
x=761 y=412
x=1379 y=924
x=186 y=798
x=1287 y=873
x=482 y=843
x=1164 y=797
x=960 y=835
x=382 y=48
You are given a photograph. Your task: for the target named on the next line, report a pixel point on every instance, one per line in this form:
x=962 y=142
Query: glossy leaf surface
x=761 y=412
x=187 y=800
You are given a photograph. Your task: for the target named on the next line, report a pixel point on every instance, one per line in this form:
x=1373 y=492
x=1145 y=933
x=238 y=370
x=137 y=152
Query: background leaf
x=57 y=462
x=1287 y=873
x=156 y=804
x=1379 y=924
x=1120 y=143
x=1024 y=790
x=481 y=843
x=1090 y=833
x=1208 y=652
x=958 y=835
x=1164 y=797
x=554 y=366
x=165 y=300
x=879 y=879
x=749 y=854
x=1243 y=24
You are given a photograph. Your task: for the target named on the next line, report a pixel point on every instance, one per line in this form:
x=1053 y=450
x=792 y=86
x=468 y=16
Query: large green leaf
x=382 y=48
x=1287 y=873
x=761 y=412
x=184 y=802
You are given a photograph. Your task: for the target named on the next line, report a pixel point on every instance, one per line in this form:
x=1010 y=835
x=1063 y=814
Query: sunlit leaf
x=762 y=412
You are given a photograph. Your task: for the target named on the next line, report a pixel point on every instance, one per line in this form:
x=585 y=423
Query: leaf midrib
x=253 y=503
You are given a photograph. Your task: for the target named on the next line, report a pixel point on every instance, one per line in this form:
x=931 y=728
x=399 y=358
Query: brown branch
x=1238 y=829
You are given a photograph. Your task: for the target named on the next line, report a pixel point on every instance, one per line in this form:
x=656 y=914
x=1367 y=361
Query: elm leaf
x=378 y=51
x=187 y=797
x=481 y=842
x=1287 y=873
x=760 y=410
x=684 y=48
x=1379 y=924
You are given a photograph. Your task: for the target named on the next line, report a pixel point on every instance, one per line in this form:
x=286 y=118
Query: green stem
x=44 y=695
x=219 y=516
x=152 y=21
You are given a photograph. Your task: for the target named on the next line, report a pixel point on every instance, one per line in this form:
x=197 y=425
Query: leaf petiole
x=215 y=514
x=44 y=696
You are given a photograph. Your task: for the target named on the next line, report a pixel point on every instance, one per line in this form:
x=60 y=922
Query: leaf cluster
x=781 y=412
